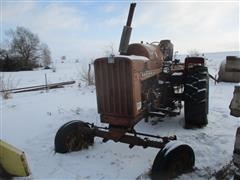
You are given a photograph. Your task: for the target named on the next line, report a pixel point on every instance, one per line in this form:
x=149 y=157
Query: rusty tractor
x=144 y=81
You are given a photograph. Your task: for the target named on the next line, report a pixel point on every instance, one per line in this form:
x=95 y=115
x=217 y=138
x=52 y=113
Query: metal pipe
x=130 y=14
x=132 y=140
x=126 y=33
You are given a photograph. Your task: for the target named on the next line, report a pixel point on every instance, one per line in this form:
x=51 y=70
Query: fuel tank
x=151 y=51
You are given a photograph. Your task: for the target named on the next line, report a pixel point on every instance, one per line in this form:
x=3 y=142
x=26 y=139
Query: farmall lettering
x=146 y=74
x=149 y=73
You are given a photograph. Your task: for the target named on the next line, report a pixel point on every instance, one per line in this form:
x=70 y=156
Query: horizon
x=87 y=29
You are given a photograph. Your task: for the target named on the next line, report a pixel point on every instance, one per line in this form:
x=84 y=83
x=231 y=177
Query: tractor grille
x=114 y=86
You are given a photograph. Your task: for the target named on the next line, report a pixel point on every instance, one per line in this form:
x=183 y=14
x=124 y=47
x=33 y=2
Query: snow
x=134 y=57
x=30 y=121
x=172 y=145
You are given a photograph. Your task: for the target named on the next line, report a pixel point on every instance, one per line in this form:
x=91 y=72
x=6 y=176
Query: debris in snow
x=40 y=87
x=226 y=172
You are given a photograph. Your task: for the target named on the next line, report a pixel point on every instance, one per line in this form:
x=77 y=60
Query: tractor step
x=169 y=111
x=158 y=114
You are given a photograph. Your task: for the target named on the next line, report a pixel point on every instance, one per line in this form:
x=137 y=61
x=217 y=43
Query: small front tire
x=70 y=137
x=173 y=160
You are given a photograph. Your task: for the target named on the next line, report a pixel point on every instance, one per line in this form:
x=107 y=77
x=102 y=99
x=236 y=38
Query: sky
x=87 y=29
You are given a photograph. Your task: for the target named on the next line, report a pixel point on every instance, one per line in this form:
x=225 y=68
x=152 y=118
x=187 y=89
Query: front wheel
x=173 y=160
x=70 y=137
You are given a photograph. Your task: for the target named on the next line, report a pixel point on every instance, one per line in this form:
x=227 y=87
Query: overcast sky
x=86 y=29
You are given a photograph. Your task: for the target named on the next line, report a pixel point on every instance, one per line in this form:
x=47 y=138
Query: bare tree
x=9 y=61
x=109 y=50
x=46 y=55
x=87 y=76
x=25 y=44
x=6 y=84
x=4 y=55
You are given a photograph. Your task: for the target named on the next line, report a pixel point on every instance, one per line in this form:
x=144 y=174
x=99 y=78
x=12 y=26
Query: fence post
x=46 y=83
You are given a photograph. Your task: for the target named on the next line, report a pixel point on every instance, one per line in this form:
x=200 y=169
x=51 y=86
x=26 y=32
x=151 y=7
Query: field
x=30 y=121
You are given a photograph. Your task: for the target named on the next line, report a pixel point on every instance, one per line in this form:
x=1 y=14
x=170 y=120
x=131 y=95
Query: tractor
x=144 y=81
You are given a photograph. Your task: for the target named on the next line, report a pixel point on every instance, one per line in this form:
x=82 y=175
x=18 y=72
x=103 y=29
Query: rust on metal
x=151 y=51
x=118 y=84
x=128 y=138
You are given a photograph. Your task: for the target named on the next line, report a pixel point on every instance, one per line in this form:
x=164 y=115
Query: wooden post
x=46 y=83
x=89 y=74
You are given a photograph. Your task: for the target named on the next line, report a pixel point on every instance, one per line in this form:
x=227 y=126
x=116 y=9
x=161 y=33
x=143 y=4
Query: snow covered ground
x=30 y=120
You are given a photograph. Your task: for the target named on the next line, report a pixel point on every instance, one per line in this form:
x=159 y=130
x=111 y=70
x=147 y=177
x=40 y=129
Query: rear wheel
x=173 y=160
x=70 y=137
x=196 y=89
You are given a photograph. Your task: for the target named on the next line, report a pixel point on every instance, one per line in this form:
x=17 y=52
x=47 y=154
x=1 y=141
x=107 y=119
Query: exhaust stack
x=127 y=29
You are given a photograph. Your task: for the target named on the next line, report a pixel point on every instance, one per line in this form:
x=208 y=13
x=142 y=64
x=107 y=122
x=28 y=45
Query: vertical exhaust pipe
x=126 y=33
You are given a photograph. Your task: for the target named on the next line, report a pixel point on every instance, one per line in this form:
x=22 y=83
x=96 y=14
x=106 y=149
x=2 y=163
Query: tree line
x=23 y=51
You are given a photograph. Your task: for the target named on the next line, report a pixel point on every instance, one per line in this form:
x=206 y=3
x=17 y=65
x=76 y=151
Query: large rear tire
x=70 y=137
x=173 y=160
x=196 y=92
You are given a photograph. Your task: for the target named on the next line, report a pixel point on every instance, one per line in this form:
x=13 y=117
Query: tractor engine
x=129 y=85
